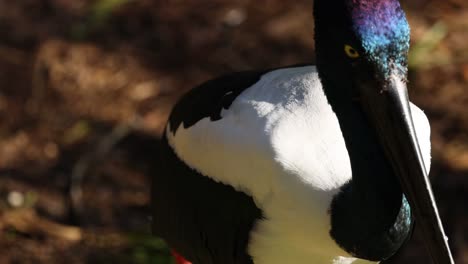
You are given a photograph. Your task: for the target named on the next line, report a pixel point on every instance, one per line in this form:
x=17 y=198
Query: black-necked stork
x=315 y=164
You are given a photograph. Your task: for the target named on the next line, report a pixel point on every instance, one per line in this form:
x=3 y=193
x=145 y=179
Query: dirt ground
x=86 y=86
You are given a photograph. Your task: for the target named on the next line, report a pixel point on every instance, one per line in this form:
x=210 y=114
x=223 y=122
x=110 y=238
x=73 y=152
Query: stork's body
x=279 y=145
x=299 y=164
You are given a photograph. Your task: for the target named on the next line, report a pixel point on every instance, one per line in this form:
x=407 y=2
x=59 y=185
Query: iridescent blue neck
x=370 y=218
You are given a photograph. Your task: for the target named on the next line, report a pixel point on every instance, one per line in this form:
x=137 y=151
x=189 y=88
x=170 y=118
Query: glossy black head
x=366 y=40
x=361 y=49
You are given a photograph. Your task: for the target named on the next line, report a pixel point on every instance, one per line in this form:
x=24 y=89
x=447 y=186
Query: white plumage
x=280 y=142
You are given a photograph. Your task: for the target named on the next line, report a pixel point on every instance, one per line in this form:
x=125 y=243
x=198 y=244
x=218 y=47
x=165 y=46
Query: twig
x=27 y=221
x=91 y=159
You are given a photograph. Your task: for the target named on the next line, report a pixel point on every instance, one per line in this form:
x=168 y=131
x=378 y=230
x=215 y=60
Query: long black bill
x=390 y=114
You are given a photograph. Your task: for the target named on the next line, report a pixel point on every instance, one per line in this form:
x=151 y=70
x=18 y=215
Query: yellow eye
x=351 y=52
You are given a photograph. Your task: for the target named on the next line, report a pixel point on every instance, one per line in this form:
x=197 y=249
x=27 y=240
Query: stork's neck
x=368 y=216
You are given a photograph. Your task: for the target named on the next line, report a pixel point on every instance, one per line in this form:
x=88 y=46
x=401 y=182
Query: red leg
x=179 y=259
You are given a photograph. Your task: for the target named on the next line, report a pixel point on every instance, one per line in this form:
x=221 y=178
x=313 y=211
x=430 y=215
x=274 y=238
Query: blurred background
x=86 y=87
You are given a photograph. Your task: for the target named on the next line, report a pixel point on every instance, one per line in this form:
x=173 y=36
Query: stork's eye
x=351 y=52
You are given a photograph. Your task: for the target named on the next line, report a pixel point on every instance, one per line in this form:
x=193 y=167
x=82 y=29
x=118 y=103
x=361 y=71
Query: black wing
x=205 y=221
x=210 y=98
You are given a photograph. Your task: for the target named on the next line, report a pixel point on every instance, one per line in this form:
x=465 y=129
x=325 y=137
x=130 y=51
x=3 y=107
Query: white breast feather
x=280 y=142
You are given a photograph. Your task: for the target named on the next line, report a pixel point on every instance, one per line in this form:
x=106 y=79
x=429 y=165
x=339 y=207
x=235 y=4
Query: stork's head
x=365 y=38
x=362 y=49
